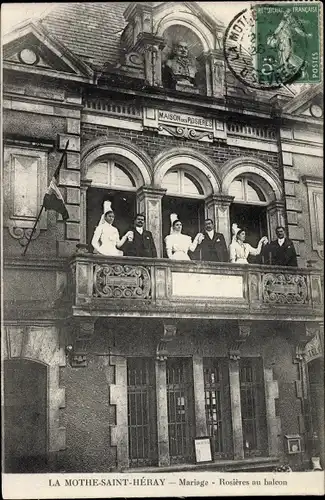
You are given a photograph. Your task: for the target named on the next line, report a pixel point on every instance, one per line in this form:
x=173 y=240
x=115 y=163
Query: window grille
x=253 y=407
x=180 y=410
x=217 y=406
x=141 y=412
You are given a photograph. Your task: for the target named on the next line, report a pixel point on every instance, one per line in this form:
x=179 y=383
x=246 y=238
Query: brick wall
x=154 y=144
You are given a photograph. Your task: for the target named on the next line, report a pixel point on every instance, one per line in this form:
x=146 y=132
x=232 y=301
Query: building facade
x=119 y=363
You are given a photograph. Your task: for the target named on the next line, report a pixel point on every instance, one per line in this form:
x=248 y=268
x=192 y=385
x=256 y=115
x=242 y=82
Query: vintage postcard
x=162 y=230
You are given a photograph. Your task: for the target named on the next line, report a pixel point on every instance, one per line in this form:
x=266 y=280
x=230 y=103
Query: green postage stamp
x=288 y=42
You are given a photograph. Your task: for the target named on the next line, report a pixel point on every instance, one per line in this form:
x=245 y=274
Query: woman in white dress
x=178 y=244
x=239 y=250
x=106 y=239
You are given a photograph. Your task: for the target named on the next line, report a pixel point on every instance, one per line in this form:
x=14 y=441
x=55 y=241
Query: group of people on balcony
x=139 y=242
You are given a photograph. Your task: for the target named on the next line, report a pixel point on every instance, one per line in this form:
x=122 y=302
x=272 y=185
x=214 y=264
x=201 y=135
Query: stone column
x=275 y=217
x=149 y=203
x=217 y=209
x=199 y=402
x=162 y=414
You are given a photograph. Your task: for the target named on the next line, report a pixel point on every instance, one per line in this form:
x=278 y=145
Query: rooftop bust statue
x=181 y=65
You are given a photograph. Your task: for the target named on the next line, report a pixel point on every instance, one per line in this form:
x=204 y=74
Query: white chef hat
x=173 y=218
x=107 y=207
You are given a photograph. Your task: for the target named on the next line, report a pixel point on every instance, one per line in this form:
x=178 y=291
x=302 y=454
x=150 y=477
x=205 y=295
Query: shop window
x=141 y=412
x=253 y=407
x=217 y=406
x=180 y=409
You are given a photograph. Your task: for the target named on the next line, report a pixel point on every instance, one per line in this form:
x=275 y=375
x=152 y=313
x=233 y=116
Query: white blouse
x=239 y=252
x=105 y=239
x=177 y=246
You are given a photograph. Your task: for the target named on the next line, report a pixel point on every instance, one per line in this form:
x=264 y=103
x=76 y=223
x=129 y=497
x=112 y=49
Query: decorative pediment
x=31 y=49
x=308 y=103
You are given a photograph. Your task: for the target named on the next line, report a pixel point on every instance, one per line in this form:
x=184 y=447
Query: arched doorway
x=249 y=210
x=25 y=416
x=110 y=181
x=184 y=197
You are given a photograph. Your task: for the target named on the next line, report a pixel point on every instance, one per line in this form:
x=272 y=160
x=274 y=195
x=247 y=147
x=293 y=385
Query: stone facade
x=90 y=342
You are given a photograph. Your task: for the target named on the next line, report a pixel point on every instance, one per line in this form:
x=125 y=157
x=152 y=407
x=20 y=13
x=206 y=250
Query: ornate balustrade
x=124 y=286
x=251 y=131
x=113 y=108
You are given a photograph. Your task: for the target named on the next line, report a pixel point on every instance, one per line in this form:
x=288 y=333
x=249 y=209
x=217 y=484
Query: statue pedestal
x=187 y=88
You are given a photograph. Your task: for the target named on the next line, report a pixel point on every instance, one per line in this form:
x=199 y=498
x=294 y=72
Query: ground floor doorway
x=180 y=399
x=25 y=416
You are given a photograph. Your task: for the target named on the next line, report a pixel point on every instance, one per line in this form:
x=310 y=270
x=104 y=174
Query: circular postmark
x=266 y=47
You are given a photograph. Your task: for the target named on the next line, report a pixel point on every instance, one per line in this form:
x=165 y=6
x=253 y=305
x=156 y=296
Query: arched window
x=185 y=197
x=113 y=182
x=245 y=191
x=108 y=173
x=181 y=183
x=248 y=209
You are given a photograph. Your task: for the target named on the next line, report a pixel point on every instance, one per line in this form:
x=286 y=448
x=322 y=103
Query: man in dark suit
x=280 y=252
x=140 y=242
x=213 y=246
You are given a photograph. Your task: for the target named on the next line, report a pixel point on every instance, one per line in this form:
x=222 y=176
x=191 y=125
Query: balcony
x=140 y=287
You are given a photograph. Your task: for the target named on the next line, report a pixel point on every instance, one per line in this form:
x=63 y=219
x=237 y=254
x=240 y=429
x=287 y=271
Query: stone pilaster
x=243 y=331
x=235 y=403
x=199 y=402
x=213 y=65
x=84 y=185
x=118 y=397
x=151 y=46
x=70 y=175
x=217 y=209
x=273 y=421
x=162 y=414
x=149 y=203
x=292 y=202
x=276 y=217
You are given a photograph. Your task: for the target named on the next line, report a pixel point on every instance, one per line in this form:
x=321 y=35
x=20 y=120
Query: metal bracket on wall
x=82 y=333
x=169 y=334
x=243 y=332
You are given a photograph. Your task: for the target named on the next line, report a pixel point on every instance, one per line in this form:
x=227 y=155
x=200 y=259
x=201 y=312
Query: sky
x=14 y=13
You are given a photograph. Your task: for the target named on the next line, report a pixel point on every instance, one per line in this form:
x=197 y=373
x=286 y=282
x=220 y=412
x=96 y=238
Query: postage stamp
x=290 y=37
x=270 y=45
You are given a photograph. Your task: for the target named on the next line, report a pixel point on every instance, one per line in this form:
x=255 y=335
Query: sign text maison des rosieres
x=186 y=120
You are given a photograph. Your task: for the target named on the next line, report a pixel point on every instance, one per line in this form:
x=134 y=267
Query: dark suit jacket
x=214 y=250
x=277 y=255
x=141 y=246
